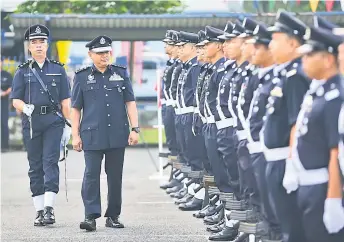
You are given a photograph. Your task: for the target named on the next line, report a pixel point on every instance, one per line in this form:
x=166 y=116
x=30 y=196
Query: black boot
x=49 y=216
x=170 y=184
x=113 y=222
x=39 y=218
x=227 y=234
x=193 y=205
x=216 y=228
x=89 y=224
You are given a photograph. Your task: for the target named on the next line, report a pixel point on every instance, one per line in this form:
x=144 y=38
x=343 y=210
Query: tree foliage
x=101 y=7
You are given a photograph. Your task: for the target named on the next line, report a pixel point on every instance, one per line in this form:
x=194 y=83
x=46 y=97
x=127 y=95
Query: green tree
x=101 y=7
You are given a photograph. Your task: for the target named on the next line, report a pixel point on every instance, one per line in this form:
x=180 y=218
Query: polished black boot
x=170 y=184
x=89 y=224
x=214 y=219
x=216 y=228
x=184 y=199
x=242 y=237
x=226 y=234
x=39 y=220
x=193 y=205
x=49 y=216
x=174 y=189
x=113 y=222
x=181 y=193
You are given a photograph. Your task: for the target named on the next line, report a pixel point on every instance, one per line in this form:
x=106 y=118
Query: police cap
x=249 y=26
x=323 y=23
x=186 y=37
x=261 y=35
x=238 y=29
x=37 y=31
x=211 y=34
x=227 y=31
x=201 y=37
x=317 y=39
x=101 y=43
x=168 y=37
x=286 y=23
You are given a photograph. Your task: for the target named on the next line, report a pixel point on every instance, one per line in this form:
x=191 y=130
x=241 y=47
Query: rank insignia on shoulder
x=82 y=69
x=24 y=64
x=115 y=65
x=276 y=92
x=291 y=73
x=57 y=62
x=220 y=69
x=115 y=77
x=195 y=64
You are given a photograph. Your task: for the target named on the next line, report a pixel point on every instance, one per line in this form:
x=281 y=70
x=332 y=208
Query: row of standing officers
x=258 y=109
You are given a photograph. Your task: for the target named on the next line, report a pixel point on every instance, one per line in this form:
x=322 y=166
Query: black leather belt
x=42 y=110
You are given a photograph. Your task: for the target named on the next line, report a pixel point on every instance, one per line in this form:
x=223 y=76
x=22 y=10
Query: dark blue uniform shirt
x=190 y=82
x=224 y=89
x=318 y=131
x=203 y=80
x=174 y=79
x=27 y=88
x=167 y=79
x=212 y=87
x=186 y=68
x=284 y=105
x=103 y=98
x=259 y=102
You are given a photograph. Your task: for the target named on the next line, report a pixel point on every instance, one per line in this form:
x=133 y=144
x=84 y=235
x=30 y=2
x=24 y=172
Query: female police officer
x=104 y=93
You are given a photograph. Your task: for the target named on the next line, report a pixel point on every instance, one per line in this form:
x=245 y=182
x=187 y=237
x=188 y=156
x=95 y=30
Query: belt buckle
x=43 y=110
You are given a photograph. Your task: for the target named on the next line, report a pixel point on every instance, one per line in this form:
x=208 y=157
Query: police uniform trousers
x=90 y=190
x=284 y=205
x=170 y=130
x=180 y=138
x=4 y=123
x=43 y=152
x=259 y=195
x=311 y=200
x=217 y=166
x=247 y=181
x=228 y=158
x=194 y=156
x=198 y=127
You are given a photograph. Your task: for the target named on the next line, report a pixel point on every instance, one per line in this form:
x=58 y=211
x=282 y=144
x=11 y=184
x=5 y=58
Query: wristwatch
x=136 y=129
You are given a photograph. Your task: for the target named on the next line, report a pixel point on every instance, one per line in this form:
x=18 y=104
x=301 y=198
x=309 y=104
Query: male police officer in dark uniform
x=43 y=123
x=284 y=105
x=104 y=93
x=6 y=83
x=315 y=157
x=265 y=83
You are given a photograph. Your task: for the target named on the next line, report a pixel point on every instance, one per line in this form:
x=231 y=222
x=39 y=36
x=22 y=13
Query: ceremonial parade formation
x=253 y=118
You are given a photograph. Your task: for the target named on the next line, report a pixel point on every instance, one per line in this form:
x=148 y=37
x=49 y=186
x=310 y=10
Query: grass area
x=150 y=136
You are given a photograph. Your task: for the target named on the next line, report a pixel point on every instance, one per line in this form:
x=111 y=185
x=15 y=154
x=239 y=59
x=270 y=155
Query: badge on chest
x=115 y=77
x=276 y=92
x=91 y=79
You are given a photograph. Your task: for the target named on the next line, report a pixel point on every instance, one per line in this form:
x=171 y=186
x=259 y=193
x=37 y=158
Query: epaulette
x=57 y=62
x=291 y=73
x=82 y=69
x=115 y=65
x=195 y=64
x=24 y=64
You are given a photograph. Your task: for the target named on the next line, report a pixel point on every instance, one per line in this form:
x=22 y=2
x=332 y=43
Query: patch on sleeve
x=330 y=95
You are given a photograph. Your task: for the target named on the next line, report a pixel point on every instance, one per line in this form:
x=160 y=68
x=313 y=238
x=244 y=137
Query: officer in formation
x=103 y=92
x=268 y=104
x=41 y=92
x=6 y=84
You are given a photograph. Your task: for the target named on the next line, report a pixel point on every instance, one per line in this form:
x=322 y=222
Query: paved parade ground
x=148 y=213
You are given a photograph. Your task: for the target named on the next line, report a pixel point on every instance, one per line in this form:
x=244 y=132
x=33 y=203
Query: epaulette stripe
x=57 y=62
x=119 y=66
x=82 y=69
x=23 y=64
x=291 y=73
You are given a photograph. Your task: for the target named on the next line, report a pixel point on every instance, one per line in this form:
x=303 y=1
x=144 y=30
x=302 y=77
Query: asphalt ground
x=148 y=213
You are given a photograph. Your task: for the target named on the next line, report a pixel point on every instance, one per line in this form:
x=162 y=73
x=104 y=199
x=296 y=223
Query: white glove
x=290 y=179
x=333 y=217
x=67 y=131
x=28 y=109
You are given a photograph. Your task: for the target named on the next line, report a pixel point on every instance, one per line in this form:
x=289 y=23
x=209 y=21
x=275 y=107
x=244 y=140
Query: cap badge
x=38 y=30
x=102 y=41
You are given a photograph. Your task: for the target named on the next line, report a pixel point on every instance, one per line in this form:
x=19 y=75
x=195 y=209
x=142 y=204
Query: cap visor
x=243 y=35
x=200 y=44
x=338 y=31
x=102 y=49
x=305 y=49
x=224 y=37
x=273 y=29
x=166 y=40
x=38 y=37
x=180 y=43
x=251 y=41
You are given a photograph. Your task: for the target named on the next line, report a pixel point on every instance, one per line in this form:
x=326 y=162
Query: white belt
x=276 y=154
x=255 y=147
x=162 y=101
x=196 y=110
x=210 y=120
x=313 y=177
x=241 y=134
x=169 y=102
x=186 y=110
x=177 y=111
x=224 y=123
x=204 y=120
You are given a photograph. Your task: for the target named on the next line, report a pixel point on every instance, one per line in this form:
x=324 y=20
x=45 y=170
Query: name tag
x=28 y=74
x=52 y=74
x=116 y=77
